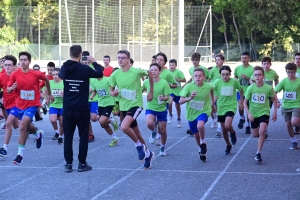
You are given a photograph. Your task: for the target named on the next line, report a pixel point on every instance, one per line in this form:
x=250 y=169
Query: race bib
x=197 y=105
x=27 y=94
x=290 y=95
x=244 y=82
x=56 y=92
x=178 y=84
x=258 y=98
x=102 y=92
x=159 y=101
x=128 y=94
x=227 y=91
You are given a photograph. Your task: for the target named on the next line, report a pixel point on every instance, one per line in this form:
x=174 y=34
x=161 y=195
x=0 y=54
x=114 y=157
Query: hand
x=274 y=117
x=193 y=94
x=244 y=76
x=91 y=98
x=114 y=93
x=14 y=86
x=91 y=59
x=50 y=98
x=251 y=119
x=149 y=96
x=278 y=104
x=161 y=97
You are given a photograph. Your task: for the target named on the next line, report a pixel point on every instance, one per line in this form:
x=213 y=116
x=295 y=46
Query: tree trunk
x=237 y=32
x=225 y=36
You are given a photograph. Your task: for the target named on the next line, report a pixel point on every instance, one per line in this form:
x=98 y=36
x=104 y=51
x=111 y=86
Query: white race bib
x=227 y=91
x=27 y=94
x=159 y=101
x=290 y=95
x=258 y=98
x=197 y=105
x=128 y=94
x=56 y=92
x=102 y=92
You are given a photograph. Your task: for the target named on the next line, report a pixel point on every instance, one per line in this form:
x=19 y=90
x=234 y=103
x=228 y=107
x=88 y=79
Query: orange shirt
x=9 y=99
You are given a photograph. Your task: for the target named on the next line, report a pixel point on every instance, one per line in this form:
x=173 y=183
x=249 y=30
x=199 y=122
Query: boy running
x=259 y=112
x=128 y=79
x=199 y=98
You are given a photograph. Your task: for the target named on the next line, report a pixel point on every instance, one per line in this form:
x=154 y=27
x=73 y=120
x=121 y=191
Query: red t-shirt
x=108 y=71
x=9 y=99
x=42 y=83
x=28 y=90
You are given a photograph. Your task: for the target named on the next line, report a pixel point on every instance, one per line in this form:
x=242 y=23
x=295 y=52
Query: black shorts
x=134 y=113
x=221 y=118
x=258 y=120
x=1 y=94
x=105 y=111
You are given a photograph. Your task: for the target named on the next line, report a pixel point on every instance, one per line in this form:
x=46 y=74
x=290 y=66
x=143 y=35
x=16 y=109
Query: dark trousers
x=71 y=119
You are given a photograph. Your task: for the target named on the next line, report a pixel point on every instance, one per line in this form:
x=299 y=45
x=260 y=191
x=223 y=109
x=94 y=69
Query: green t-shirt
x=259 y=99
x=298 y=73
x=129 y=86
x=206 y=72
x=56 y=90
x=248 y=71
x=179 y=75
x=160 y=88
x=214 y=74
x=95 y=99
x=201 y=102
x=270 y=76
x=102 y=88
x=226 y=93
x=291 y=93
x=167 y=76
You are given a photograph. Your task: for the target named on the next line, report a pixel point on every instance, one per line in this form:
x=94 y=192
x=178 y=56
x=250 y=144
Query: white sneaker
x=178 y=124
x=219 y=132
x=152 y=137
x=213 y=124
x=170 y=119
x=162 y=151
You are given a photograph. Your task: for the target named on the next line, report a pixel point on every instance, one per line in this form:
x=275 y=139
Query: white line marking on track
x=224 y=170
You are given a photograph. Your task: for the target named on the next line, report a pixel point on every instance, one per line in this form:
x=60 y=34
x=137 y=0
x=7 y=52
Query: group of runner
x=119 y=93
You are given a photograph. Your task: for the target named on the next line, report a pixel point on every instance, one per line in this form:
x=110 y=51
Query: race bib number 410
x=258 y=98
x=128 y=94
x=27 y=94
x=290 y=95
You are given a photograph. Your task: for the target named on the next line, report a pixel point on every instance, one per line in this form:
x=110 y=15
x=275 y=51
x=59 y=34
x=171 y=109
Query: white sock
x=242 y=117
x=37 y=135
x=157 y=136
x=21 y=151
x=202 y=141
x=248 y=123
x=257 y=152
x=56 y=131
x=138 y=144
x=199 y=148
x=147 y=153
x=114 y=136
x=5 y=146
x=219 y=125
x=294 y=139
x=61 y=136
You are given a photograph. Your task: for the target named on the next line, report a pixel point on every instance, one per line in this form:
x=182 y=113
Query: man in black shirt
x=76 y=106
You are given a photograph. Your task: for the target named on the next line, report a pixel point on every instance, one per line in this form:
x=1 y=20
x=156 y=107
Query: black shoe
x=241 y=123
x=18 y=160
x=38 y=119
x=228 y=149
x=189 y=132
x=44 y=108
x=258 y=157
x=84 y=167
x=91 y=138
x=39 y=141
x=203 y=152
x=68 y=168
x=3 y=152
x=60 y=141
x=248 y=130
x=55 y=137
x=233 y=138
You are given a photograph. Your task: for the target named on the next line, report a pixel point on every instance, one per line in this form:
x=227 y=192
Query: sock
x=202 y=141
x=114 y=136
x=5 y=146
x=157 y=136
x=199 y=148
x=242 y=117
x=219 y=125
x=21 y=149
x=138 y=144
x=147 y=153
x=248 y=123
x=162 y=145
x=37 y=134
x=61 y=136
x=294 y=139
x=257 y=152
x=56 y=131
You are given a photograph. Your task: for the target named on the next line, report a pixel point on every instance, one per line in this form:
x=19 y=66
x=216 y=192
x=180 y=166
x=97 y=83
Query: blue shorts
x=175 y=98
x=56 y=111
x=29 y=112
x=161 y=116
x=193 y=124
x=93 y=107
x=13 y=111
x=238 y=96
